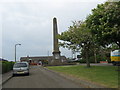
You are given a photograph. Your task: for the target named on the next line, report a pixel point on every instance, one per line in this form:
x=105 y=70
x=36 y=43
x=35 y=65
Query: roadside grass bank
x=102 y=75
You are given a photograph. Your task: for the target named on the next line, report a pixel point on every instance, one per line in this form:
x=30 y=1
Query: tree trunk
x=87 y=60
x=95 y=56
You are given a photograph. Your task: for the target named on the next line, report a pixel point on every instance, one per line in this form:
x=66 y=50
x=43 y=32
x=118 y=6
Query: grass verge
x=103 y=75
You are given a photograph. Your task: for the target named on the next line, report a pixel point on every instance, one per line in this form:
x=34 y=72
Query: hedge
x=7 y=66
x=99 y=58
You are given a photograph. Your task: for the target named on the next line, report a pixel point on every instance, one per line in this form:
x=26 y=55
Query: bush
x=45 y=62
x=82 y=61
x=7 y=66
x=98 y=58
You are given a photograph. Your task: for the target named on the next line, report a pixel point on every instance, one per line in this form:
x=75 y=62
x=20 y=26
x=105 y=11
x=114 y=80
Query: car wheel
x=27 y=74
x=114 y=63
x=13 y=75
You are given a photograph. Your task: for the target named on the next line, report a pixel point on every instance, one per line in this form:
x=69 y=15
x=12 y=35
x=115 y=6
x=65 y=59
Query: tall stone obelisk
x=56 y=52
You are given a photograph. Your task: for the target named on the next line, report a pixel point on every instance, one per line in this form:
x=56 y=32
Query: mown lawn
x=103 y=75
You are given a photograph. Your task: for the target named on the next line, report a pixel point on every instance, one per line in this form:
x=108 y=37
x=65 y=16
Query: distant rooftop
x=1 y=59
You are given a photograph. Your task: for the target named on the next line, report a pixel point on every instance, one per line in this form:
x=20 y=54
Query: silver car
x=21 y=68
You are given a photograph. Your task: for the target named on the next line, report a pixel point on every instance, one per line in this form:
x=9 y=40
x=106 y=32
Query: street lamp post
x=15 y=50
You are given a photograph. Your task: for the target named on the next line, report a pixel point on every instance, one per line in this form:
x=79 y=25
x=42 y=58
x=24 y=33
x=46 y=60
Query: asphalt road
x=40 y=78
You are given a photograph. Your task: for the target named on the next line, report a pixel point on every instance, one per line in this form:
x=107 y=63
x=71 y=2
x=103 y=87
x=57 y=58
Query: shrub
x=98 y=58
x=7 y=66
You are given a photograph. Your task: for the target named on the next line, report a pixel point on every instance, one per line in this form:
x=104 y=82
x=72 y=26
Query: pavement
x=6 y=77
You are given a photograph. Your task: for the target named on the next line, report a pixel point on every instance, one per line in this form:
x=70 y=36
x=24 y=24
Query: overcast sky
x=29 y=22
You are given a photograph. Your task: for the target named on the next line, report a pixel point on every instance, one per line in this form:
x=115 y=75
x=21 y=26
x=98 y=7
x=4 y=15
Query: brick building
x=42 y=59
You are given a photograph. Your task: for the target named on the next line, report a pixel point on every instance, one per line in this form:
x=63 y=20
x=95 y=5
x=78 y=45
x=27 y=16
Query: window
x=18 y=65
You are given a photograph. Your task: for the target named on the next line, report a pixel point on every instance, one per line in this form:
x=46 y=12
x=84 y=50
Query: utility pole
x=15 y=50
x=48 y=53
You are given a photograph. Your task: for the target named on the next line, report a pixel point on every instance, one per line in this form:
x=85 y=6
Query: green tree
x=104 y=23
x=78 y=36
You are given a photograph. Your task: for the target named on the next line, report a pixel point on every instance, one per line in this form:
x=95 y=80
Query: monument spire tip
x=54 y=18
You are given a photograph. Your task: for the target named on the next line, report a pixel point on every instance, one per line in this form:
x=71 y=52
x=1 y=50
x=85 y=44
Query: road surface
x=40 y=78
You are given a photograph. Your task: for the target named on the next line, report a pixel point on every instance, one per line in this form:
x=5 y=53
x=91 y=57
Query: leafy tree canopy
x=104 y=23
x=77 y=36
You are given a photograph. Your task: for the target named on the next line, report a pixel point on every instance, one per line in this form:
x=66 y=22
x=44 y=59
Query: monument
x=56 y=52
x=55 y=59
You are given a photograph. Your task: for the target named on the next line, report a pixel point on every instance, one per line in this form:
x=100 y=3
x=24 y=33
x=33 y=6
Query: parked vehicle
x=115 y=57
x=21 y=68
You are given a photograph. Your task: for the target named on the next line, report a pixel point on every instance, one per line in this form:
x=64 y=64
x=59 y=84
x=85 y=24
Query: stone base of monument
x=55 y=62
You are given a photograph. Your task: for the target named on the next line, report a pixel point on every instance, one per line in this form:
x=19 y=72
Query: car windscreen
x=18 y=65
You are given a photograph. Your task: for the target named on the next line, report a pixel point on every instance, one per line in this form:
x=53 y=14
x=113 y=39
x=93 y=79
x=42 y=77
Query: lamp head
x=17 y=44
